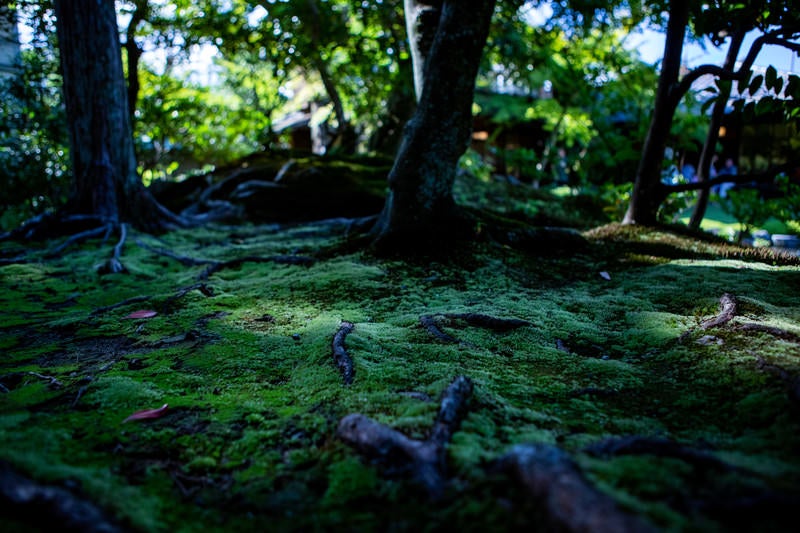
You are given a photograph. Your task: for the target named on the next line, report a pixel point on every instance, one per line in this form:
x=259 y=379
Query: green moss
x=255 y=398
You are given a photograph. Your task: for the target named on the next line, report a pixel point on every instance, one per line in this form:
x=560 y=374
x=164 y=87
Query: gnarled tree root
x=340 y=355
x=728 y=307
x=213 y=266
x=775 y=332
x=569 y=502
x=431 y=325
x=49 y=507
x=636 y=445
x=425 y=460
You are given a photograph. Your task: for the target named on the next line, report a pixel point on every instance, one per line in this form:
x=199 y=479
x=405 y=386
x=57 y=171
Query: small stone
x=707 y=340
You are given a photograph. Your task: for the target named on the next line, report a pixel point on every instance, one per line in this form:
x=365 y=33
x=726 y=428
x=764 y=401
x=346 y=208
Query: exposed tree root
x=792 y=382
x=430 y=323
x=728 y=306
x=49 y=508
x=216 y=266
x=340 y=355
x=183 y=291
x=569 y=502
x=213 y=266
x=425 y=460
x=636 y=445
x=79 y=238
x=114 y=264
x=775 y=332
x=489 y=322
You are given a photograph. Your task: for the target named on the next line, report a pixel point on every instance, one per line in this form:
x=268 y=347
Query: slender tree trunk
x=105 y=181
x=648 y=191
x=422 y=19
x=709 y=148
x=345 y=136
x=420 y=200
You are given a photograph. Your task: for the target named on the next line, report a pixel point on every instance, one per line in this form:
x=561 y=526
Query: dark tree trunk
x=422 y=20
x=105 y=181
x=648 y=191
x=710 y=146
x=420 y=199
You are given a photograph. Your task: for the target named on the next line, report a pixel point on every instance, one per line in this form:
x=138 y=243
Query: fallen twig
x=340 y=355
x=569 y=502
x=424 y=459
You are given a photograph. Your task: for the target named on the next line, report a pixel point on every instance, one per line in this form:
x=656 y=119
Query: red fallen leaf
x=143 y=313
x=148 y=413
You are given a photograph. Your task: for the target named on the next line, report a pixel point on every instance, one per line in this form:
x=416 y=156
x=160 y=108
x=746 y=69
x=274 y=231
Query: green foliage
x=748 y=207
x=788 y=204
x=34 y=155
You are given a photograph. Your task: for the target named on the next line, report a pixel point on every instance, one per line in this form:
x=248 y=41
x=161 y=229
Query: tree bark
x=105 y=179
x=420 y=198
x=422 y=19
x=648 y=191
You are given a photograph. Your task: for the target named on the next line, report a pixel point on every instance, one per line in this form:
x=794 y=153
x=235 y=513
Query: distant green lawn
x=726 y=225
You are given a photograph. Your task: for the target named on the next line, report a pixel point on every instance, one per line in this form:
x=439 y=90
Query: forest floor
x=652 y=373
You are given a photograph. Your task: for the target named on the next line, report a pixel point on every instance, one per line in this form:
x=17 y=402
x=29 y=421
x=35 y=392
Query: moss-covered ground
x=244 y=363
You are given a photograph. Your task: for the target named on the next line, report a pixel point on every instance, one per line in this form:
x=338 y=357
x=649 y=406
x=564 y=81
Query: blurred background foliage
x=216 y=81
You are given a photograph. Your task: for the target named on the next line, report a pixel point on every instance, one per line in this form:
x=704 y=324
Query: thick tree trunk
x=421 y=182
x=648 y=191
x=105 y=181
x=710 y=146
x=422 y=19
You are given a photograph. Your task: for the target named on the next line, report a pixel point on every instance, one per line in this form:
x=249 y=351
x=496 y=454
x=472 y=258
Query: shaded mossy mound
x=244 y=362
x=284 y=187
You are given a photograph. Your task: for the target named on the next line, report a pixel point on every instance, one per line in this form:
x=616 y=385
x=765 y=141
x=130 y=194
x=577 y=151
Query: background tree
x=780 y=24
